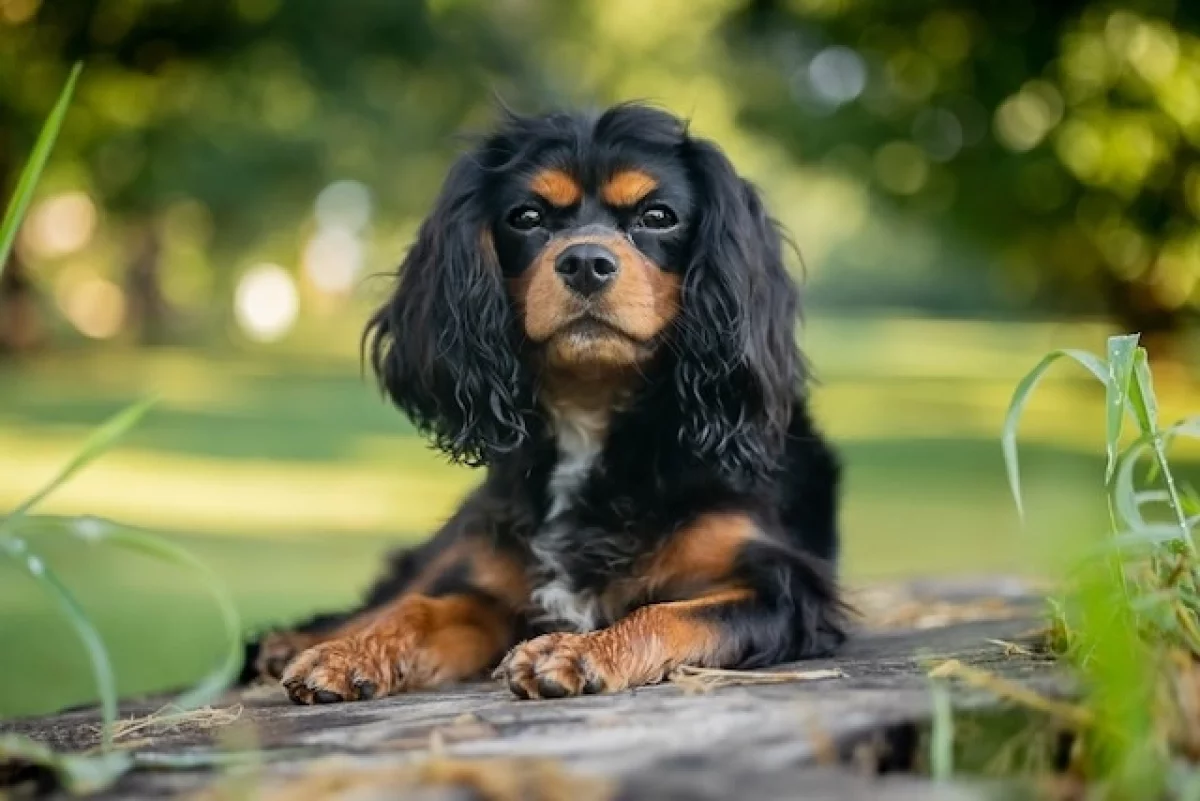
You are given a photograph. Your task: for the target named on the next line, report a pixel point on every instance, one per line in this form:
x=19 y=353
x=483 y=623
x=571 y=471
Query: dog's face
x=571 y=246
x=593 y=245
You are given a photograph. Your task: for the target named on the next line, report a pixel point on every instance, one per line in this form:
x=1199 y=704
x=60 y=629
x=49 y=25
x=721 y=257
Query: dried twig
x=171 y=718
x=1012 y=648
x=701 y=679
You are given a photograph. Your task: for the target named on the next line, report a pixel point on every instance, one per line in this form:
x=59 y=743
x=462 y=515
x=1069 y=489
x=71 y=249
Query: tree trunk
x=148 y=311
x=21 y=318
x=21 y=324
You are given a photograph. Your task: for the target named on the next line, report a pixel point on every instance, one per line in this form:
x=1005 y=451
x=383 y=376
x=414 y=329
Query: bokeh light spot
x=837 y=75
x=15 y=12
x=94 y=305
x=1081 y=148
x=266 y=302
x=1177 y=272
x=1023 y=119
x=333 y=258
x=1154 y=51
x=59 y=225
x=344 y=204
x=901 y=167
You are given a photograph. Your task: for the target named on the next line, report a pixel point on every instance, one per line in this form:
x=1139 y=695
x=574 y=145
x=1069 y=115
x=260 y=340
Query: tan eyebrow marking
x=627 y=187
x=556 y=187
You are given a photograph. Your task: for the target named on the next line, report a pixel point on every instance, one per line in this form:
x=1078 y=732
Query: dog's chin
x=593 y=345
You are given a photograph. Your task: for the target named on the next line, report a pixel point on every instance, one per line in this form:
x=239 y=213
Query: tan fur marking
x=413 y=643
x=586 y=399
x=628 y=188
x=453 y=554
x=703 y=552
x=643 y=300
x=556 y=188
x=498 y=575
x=642 y=648
x=417 y=641
x=697 y=558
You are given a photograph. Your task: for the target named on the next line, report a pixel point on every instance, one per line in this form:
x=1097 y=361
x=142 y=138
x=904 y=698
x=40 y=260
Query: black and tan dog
x=597 y=311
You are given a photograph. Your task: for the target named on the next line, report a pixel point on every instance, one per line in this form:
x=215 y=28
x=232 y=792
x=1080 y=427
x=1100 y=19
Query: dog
x=597 y=311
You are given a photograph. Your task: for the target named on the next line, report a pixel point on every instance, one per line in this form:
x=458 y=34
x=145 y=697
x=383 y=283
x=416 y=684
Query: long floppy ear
x=442 y=345
x=739 y=370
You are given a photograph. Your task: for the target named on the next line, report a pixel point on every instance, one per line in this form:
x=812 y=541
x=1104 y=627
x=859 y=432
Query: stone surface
x=818 y=739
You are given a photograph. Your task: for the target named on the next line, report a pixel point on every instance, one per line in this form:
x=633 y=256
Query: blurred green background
x=970 y=186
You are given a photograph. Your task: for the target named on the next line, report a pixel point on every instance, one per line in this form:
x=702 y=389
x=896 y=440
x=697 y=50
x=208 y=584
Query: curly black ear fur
x=739 y=370
x=442 y=346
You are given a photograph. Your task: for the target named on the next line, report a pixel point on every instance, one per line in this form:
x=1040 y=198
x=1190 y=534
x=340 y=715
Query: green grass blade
x=941 y=738
x=1124 y=492
x=1147 y=536
x=211 y=686
x=1151 y=497
x=1126 y=495
x=100 y=441
x=1008 y=439
x=1145 y=408
x=106 y=686
x=1190 y=499
x=1122 y=351
x=1142 y=397
x=23 y=193
x=96 y=530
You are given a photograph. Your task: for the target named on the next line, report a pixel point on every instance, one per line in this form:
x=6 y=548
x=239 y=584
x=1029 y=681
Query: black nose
x=587 y=268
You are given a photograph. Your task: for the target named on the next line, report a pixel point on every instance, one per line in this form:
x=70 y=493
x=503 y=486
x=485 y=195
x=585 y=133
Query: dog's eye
x=525 y=218
x=658 y=217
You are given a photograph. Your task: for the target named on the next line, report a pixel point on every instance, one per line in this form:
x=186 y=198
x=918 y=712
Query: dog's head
x=583 y=248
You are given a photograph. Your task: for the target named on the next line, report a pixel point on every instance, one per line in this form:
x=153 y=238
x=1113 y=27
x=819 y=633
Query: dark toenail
x=594 y=685
x=366 y=689
x=518 y=690
x=326 y=697
x=549 y=688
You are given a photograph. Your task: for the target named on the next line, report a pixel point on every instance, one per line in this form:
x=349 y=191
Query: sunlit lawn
x=284 y=471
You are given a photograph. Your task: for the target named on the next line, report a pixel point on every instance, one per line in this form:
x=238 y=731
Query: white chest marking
x=580 y=438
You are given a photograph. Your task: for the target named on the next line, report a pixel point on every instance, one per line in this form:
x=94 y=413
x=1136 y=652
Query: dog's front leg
x=453 y=625
x=642 y=648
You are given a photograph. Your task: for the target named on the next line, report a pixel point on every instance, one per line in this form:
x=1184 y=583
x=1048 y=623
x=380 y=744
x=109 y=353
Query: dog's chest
x=556 y=546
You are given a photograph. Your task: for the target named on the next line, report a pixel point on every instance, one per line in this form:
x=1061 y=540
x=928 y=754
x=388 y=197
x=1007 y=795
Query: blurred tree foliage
x=1063 y=135
x=201 y=125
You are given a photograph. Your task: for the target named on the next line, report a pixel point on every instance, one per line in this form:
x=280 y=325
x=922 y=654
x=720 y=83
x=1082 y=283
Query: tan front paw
x=350 y=669
x=556 y=666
